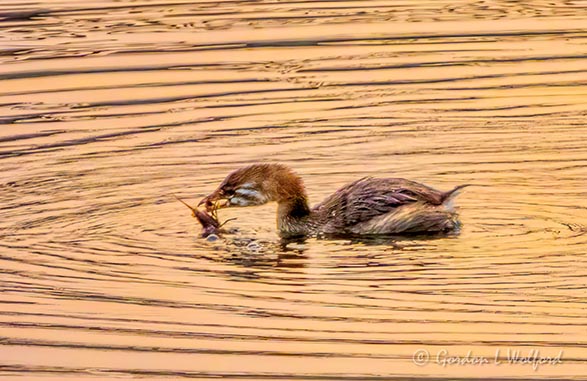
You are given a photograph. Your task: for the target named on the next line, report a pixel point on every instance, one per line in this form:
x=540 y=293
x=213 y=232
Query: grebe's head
x=255 y=184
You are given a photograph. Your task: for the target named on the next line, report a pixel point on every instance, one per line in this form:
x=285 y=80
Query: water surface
x=109 y=107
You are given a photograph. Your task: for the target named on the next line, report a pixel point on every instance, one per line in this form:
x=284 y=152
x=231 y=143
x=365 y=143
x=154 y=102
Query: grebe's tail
x=451 y=194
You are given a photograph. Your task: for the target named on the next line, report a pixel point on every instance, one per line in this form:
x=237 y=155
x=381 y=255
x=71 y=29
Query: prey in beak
x=208 y=219
x=214 y=201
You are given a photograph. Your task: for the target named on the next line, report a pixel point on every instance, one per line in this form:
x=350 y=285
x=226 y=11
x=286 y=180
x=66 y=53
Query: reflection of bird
x=366 y=206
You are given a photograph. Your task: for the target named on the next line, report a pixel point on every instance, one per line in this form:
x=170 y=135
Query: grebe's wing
x=369 y=197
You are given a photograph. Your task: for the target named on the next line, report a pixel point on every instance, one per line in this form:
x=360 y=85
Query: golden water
x=109 y=107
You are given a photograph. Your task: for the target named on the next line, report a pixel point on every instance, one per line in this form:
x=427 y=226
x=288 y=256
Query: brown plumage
x=366 y=206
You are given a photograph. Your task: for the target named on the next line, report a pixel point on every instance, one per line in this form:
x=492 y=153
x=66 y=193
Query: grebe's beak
x=214 y=200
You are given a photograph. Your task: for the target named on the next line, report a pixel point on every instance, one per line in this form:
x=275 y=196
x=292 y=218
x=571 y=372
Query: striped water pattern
x=107 y=108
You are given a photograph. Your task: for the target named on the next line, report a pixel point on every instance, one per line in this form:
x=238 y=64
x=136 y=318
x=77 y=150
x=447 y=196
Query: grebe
x=366 y=206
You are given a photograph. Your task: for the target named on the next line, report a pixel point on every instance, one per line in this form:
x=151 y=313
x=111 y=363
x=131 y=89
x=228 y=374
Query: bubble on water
x=212 y=238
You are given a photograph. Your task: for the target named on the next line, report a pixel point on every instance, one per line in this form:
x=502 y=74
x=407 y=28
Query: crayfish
x=207 y=218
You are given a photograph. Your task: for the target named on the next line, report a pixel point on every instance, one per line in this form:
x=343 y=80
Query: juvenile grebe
x=366 y=206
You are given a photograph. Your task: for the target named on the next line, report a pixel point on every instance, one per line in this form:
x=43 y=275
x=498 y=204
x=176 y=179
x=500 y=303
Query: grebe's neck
x=293 y=211
x=293 y=217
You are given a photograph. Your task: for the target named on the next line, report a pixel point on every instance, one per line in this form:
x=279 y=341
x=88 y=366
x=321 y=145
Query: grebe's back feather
x=368 y=199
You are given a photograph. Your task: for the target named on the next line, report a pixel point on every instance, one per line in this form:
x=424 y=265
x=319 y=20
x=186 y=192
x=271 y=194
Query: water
x=109 y=107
